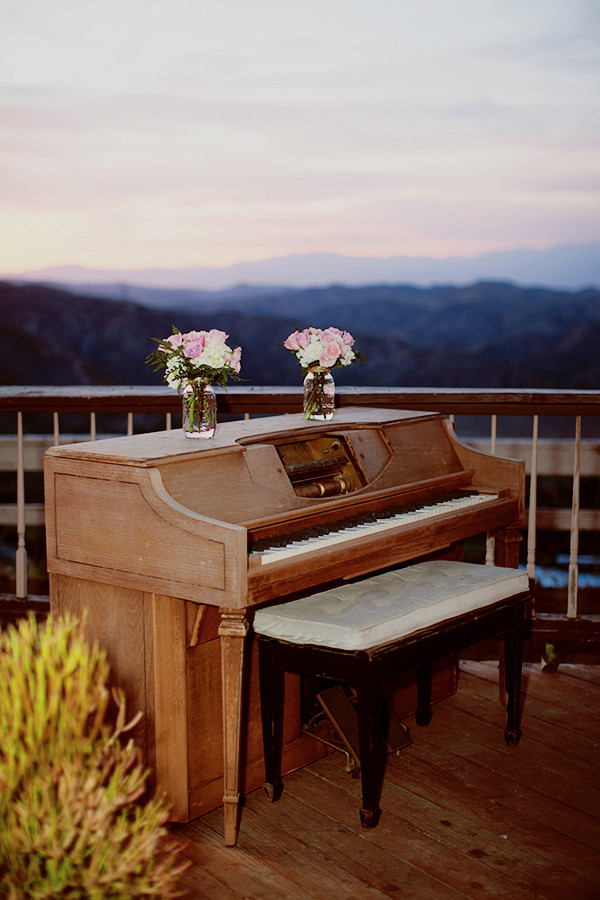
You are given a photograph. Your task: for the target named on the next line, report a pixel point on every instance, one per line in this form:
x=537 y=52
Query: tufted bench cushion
x=389 y=606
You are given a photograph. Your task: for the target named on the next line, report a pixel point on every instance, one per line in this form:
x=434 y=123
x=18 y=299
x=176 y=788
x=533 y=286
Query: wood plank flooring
x=463 y=814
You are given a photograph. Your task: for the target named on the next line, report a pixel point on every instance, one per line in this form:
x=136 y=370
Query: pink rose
x=304 y=337
x=331 y=352
x=194 y=348
x=235 y=361
x=327 y=359
x=291 y=342
x=175 y=340
x=216 y=336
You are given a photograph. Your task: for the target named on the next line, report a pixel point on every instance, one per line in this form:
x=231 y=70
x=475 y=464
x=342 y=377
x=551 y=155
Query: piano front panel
x=234 y=486
x=130 y=532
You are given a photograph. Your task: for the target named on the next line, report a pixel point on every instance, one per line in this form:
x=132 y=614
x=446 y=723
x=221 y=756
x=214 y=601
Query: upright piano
x=167 y=544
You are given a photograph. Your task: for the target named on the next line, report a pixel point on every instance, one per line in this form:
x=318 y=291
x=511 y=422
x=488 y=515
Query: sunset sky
x=207 y=132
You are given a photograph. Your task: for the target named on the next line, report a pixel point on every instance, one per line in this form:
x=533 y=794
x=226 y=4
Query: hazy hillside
x=484 y=335
x=565 y=266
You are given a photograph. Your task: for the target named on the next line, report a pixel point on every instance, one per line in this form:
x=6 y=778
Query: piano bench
x=367 y=631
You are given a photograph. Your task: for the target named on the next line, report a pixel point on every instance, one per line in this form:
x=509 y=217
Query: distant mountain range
x=488 y=334
x=566 y=267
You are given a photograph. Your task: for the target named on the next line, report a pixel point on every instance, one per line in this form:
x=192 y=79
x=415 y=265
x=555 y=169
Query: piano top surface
x=163 y=447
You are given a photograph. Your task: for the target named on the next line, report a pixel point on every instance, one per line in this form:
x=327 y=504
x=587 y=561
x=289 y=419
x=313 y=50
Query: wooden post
x=21 y=556
x=531 y=524
x=508 y=541
x=490 y=552
x=232 y=632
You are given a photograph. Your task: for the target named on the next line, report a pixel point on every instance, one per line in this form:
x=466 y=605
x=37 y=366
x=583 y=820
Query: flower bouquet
x=319 y=350
x=193 y=362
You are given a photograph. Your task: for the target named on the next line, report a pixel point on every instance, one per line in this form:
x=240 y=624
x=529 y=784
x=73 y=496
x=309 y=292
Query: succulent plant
x=74 y=821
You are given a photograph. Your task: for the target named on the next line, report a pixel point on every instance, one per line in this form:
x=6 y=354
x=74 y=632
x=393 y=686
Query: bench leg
x=371 y=745
x=513 y=665
x=271 y=682
x=423 y=714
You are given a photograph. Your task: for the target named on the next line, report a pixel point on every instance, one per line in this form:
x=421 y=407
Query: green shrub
x=72 y=824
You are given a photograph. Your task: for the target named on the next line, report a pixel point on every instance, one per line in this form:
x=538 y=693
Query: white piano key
x=347 y=534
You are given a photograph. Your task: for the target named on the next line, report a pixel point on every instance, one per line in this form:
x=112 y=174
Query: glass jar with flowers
x=319 y=350
x=193 y=362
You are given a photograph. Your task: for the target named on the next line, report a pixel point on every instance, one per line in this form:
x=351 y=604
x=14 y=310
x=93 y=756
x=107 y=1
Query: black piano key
x=355 y=520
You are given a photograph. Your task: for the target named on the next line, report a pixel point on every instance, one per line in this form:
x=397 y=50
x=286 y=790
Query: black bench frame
x=368 y=669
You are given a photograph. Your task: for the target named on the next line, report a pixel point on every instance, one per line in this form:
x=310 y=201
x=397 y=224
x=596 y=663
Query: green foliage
x=70 y=826
x=550 y=660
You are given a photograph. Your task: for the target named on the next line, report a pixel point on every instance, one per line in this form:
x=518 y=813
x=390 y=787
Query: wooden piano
x=168 y=543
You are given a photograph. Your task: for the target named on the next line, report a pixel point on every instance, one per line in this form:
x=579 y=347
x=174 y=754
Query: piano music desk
x=167 y=544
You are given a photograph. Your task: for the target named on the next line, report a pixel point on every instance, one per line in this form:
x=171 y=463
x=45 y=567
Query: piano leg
x=232 y=632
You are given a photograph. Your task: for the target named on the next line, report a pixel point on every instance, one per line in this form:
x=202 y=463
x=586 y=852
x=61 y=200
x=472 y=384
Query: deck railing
x=557 y=433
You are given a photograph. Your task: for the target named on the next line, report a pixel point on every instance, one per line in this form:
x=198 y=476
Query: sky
x=178 y=133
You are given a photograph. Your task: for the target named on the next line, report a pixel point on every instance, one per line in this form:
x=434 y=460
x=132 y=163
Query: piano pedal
x=341 y=712
x=321 y=728
x=398 y=735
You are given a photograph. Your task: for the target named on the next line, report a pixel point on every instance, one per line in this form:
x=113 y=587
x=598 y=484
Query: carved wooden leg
x=232 y=631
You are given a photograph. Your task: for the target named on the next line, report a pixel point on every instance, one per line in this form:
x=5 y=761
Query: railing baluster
x=490 y=552
x=56 y=429
x=574 y=550
x=129 y=423
x=168 y=418
x=93 y=426
x=532 y=510
x=21 y=557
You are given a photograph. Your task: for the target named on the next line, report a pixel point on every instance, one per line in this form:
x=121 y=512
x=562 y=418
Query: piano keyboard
x=318 y=538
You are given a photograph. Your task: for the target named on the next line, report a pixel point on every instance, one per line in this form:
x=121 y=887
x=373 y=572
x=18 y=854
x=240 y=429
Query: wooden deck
x=463 y=814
